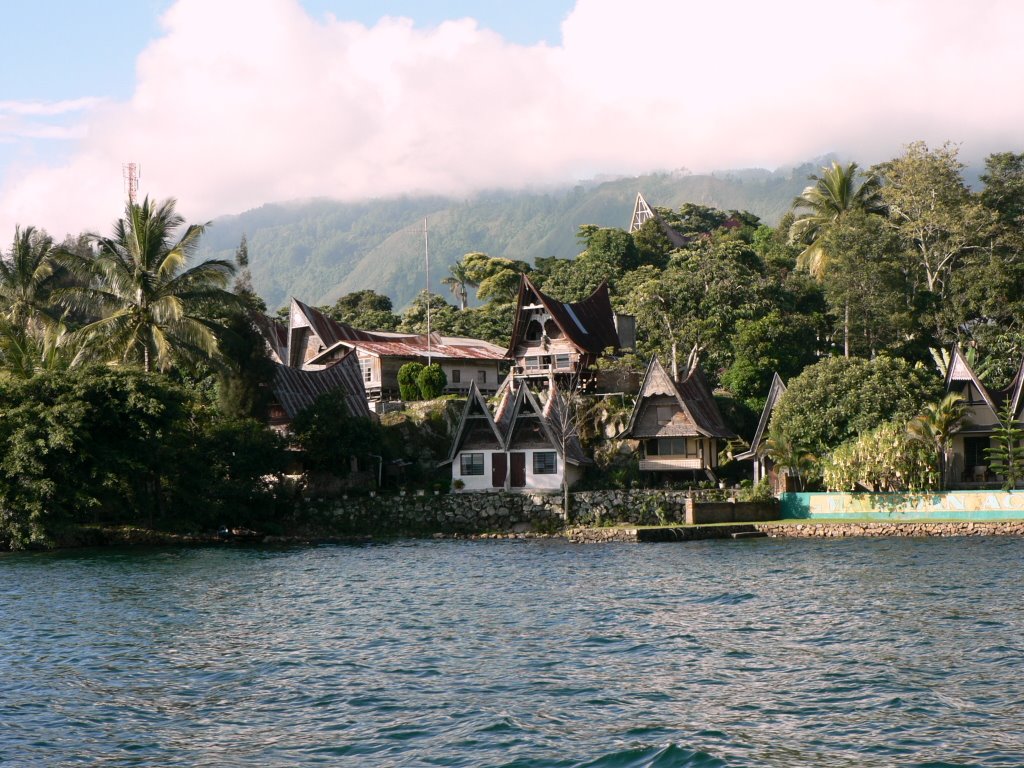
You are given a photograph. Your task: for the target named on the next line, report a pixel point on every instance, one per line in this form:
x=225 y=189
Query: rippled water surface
x=517 y=653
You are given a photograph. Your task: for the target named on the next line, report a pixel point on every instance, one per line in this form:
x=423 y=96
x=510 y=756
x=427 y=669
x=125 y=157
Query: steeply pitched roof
x=588 y=324
x=960 y=372
x=642 y=212
x=275 y=334
x=476 y=410
x=692 y=395
x=516 y=404
x=774 y=393
x=296 y=389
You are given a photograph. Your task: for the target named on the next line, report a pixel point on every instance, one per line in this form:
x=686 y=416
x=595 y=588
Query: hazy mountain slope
x=322 y=249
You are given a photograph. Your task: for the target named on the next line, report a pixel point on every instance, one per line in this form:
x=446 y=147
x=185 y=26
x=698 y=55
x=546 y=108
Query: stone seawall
x=463 y=513
x=825 y=530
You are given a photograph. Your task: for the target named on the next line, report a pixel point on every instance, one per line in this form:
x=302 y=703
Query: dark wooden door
x=518 y=470
x=499 y=468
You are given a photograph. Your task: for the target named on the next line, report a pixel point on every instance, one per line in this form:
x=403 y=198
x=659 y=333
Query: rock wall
x=841 y=530
x=466 y=513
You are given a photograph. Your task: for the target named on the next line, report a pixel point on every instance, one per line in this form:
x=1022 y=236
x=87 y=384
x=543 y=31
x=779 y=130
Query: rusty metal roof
x=390 y=344
x=296 y=389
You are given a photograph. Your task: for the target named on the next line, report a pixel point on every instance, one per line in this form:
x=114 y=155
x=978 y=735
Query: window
x=456 y=375
x=545 y=463
x=675 y=446
x=366 y=366
x=532 y=363
x=534 y=331
x=665 y=414
x=551 y=330
x=481 y=377
x=563 y=361
x=471 y=464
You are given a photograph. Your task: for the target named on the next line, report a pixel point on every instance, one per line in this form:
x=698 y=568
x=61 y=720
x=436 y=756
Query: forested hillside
x=320 y=250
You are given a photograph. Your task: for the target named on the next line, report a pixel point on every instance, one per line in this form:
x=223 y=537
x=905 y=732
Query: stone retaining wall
x=466 y=513
x=841 y=530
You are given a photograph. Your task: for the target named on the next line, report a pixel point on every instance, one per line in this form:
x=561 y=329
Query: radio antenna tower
x=131 y=181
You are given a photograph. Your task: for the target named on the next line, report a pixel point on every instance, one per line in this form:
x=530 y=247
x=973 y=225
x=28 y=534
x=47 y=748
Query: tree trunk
x=846 y=330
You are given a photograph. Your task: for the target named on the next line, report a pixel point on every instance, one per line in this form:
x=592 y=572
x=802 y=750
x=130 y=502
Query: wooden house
x=315 y=342
x=763 y=465
x=678 y=424
x=524 y=446
x=969 y=461
x=554 y=340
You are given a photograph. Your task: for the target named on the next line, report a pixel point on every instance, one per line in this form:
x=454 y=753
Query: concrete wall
x=948 y=505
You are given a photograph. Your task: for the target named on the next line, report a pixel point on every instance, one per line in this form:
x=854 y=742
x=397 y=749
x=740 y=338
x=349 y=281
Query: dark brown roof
x=296 y=389
x=692 y=395
x=276 y=335
x=588 y=324
x=776 y=391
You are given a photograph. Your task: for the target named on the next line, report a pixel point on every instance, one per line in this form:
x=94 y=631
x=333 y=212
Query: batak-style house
x=293 y=390
x=678 y=424
x=524 y=446
x=555 y=340
x=315 y=342
x=764 y=467
x=969 y=461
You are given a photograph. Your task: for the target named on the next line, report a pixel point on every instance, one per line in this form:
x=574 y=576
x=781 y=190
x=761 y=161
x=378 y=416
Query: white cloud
x=245 y=102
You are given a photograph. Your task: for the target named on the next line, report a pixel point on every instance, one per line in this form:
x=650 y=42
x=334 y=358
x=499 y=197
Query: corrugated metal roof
x=275 y=334
x=296 y=389
x=390 y=344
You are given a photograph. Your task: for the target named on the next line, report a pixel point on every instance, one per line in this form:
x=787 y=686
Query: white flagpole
x=426 y=253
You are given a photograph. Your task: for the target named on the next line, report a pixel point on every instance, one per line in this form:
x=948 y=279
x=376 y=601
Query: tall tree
x=457 y=280
x=26 y=277
x=826 y=204
x=934 y=428
x=154 y=308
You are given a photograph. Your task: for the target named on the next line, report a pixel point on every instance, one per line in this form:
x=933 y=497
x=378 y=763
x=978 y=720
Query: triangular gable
x=958 y=375
x=777 y=389
x=1015 y=393
x=475 y=410
x=589 y=325
x=526 y=411
x=692 y=396
x=642 y=213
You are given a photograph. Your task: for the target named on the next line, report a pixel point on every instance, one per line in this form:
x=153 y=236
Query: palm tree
x=457 y=280
x=790 y=456
x=828 y=201
x=154 y=308
x=935 y=427
x=26 y=278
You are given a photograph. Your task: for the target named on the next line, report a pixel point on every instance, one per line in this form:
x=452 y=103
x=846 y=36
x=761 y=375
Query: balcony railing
x=663 y=463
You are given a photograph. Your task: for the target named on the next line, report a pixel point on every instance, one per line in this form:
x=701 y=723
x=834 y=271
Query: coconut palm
x=26 y=277
x=827 y=201
x=458 y=280
x=935 y=426
x=790 y=456
x=154 y=308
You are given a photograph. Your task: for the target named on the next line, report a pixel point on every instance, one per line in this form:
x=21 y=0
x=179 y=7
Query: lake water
x=517 y=653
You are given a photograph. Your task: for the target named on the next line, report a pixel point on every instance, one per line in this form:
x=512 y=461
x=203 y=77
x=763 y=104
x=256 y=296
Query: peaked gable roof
x=642 y=213
x=275 y=334
x=960 y=372
x=588 y=324
x=777 y=389
x=296 y=389
x=476 y=409
x=692 y=395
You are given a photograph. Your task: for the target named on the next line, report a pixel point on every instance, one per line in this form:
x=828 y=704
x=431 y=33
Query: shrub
x=431 y=381
x=408 y=386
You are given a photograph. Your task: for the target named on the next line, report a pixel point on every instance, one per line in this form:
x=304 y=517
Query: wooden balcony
x=670 y=463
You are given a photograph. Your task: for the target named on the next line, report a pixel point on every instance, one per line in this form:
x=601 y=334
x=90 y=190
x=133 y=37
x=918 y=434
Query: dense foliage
x=99 y=445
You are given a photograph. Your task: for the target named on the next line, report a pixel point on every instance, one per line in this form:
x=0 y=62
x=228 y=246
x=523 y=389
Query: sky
x=229 y=104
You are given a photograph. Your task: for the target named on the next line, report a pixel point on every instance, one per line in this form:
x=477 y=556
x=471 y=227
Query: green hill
x=322 y=249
